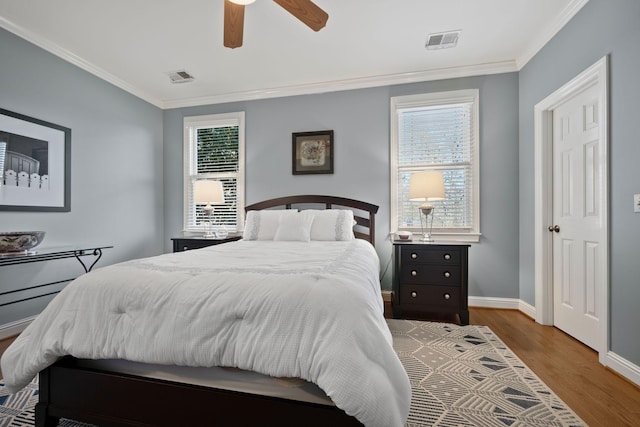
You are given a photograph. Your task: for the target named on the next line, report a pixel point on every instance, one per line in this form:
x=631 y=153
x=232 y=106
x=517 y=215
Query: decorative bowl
x=19 y=241
x=404 y=235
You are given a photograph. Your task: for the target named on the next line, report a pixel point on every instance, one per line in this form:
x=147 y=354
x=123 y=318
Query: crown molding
x=552 y=29
x=76 y=60
x=348 y=84
x=307 y=89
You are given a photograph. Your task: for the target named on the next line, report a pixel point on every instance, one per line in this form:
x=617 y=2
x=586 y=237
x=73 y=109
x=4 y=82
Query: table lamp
x=426 y=186
x=208 y=192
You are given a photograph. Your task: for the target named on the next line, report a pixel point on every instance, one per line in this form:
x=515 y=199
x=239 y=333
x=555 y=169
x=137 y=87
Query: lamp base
x=426 y=237
x=209 y=232
x=427 y=210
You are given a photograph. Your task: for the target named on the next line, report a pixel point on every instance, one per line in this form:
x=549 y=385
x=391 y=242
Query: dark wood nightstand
x=430 y=278
x=186 y=243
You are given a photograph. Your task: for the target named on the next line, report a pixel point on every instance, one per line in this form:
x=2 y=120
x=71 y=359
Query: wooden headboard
x=365 y=227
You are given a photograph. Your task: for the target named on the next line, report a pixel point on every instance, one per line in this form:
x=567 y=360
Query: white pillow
x=262 y=225
x=332 y=224
x=295 y=227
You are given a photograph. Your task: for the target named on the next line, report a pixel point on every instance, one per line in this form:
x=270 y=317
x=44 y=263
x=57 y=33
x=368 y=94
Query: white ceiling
x=135 y=43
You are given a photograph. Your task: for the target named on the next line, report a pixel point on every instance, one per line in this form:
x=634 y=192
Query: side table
x=431 y=277
x=186 y=243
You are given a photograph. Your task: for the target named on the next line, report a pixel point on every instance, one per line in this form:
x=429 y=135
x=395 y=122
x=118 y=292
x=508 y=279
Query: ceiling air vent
x=180 y=77
x=442 y=40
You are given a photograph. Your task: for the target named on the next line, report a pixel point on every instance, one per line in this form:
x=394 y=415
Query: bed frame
x=105 y=398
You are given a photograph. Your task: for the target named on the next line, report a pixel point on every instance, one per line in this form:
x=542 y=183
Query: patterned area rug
x=460 y=376
x=466 y=376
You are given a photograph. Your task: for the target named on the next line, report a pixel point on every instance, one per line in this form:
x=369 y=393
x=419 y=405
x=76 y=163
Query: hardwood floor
x=598 y=395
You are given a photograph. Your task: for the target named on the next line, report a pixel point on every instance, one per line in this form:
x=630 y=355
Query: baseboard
x=527 y=309
x=14 y=328
x=623 y=367
x=490 y=302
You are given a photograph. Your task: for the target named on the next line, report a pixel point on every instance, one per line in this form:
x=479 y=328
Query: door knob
x=555 y=228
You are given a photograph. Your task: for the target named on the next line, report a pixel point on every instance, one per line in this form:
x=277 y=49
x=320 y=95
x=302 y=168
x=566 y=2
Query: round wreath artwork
x=313 y=152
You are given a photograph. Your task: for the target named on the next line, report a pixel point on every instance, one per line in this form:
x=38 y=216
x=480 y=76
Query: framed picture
x=312 y=152
x=35 y=162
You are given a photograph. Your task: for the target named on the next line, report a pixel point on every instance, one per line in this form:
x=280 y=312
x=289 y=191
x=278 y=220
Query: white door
x=578 y=191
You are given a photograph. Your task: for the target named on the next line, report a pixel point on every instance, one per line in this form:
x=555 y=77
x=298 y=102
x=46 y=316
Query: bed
x=85 y=381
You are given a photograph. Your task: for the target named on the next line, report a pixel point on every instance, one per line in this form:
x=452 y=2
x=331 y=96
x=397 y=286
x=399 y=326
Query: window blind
x=437 y=138
x=214 y=150
x=3 y=150
x=222 y=214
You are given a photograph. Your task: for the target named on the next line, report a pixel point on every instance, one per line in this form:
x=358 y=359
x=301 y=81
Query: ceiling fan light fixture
x=305 y=11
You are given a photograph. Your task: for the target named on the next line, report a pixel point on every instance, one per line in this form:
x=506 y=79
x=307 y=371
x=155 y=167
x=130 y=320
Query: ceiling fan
x=305 y=10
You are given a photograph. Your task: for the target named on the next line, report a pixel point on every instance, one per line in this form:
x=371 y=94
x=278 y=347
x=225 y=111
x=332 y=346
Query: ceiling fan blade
x=233 y=24
x=307 y=12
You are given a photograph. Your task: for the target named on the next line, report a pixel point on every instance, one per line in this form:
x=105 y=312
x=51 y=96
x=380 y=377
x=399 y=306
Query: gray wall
x=116 y=166
x=602 y=27
x=360 y=120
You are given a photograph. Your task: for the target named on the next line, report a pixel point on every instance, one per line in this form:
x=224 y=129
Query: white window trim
x=189 y=160
x=432 y=99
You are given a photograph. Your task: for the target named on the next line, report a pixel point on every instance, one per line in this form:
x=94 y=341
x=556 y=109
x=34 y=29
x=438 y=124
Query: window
x=214 y=149
x=437 y=131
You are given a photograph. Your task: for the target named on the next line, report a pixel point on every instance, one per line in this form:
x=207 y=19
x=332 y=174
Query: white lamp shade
x=426 y=185
x=206 y=191
x=242 y=1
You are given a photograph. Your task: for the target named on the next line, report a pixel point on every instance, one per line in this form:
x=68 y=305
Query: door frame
x=595 y=75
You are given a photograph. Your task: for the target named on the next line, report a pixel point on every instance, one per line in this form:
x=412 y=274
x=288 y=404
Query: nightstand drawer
x=442 y=297
x=181 y=244
x=187 y=245
x=419 y=255
x=448 y=275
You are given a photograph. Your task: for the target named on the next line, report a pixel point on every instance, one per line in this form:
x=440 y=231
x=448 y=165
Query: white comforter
x=288 y=309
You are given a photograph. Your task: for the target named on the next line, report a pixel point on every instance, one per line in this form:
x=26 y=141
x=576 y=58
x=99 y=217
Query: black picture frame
x=312 y=152
x=35 y=164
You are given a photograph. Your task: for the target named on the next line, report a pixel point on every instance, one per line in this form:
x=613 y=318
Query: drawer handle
x=447 y=296
x=447 y=257
x=414 y=273
x=447 y=274
x=414 y=294
x=414 y=255
x=185 y=248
